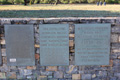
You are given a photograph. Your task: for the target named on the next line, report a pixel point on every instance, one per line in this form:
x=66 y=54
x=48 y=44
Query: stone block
x=31 y=67
x=2 y=75
x=42 y=78
x=58 y=74
x=51 y=68
x=86 y=76
x=71 y=43
x=72 y=69
x=11 y=75
x=114 y=38
x=76 y=76
x=37 y=56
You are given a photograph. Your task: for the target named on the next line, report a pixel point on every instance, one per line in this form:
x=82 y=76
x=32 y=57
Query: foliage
x=60 y=1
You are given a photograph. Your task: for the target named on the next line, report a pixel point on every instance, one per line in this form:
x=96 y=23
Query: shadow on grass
x=56 y=13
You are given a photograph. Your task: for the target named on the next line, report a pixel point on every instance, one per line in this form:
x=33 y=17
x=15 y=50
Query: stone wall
x=71 y=72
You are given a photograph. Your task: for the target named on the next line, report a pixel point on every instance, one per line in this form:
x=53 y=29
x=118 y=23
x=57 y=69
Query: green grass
x=61 y=10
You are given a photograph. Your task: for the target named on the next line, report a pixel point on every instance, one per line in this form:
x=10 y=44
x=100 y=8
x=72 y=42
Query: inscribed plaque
x=54 y=44
x=92 y=44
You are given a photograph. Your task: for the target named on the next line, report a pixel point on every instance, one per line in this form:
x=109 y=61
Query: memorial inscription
x=54 y=44
x=92 y=44
x=20 y=45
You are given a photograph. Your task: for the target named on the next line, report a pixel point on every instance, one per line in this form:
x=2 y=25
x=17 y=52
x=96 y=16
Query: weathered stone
x=71 y=43
x=94 y=75
x=4 y=68
x=102 y=74
x=51 y=20
x=114 y=38
x=61 y=68
x=50 y=76
x=4 y=60
x=116 y=29
x=25 y=72
x=42 y=78
x=2 y=42
x=58 y=74
x=72 y=69
x=2 y=76
x=46 y=73
x=76 y=76
x=68 y=76
x=117 y=75
x=52 y=79
x=72 y=30
x=113 y=56
x=116 y=62
x=113 y=78
x=3 y=52
x=86 y=76
x=31 y=67
x=51 y=68
x=37 y=56
x=11 y=75
x=71 y=35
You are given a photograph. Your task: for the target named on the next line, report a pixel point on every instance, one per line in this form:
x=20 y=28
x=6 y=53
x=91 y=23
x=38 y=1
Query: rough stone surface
x=58 y=74
x=71 y=72
x=76 y=76
x=2 y=76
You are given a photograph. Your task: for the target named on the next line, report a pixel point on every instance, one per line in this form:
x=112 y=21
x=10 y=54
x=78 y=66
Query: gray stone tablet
x=20 y=45
x=54 y=44
x=92 y=44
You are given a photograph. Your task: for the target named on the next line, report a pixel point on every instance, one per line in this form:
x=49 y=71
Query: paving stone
x=86 y=76
x=76 y=76
x=2 y=76
x=58 y=74
x=42 y=78
x=51 y=68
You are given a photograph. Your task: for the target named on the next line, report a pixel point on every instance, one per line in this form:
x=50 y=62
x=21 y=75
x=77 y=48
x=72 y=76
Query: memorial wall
x=60 y=48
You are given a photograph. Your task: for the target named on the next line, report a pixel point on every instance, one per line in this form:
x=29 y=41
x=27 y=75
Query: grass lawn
x=60 y=10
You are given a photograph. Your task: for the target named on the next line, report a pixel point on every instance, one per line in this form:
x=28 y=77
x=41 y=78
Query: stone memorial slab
x=92 y=44
x=54 y=44
x=20 y=45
